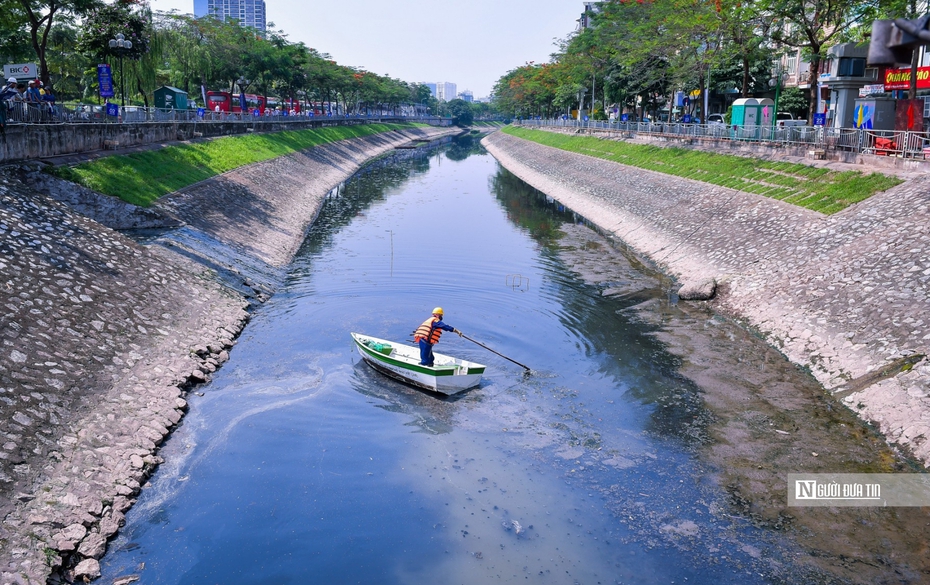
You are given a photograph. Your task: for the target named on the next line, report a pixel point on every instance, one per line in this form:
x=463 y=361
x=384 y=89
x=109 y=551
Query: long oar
x=497 y=352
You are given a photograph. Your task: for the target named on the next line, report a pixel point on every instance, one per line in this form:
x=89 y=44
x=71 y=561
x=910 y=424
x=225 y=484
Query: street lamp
x=778 y=78
x=120 y=45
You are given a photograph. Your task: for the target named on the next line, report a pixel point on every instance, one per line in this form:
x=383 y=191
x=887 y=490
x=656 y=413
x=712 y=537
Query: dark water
x=301 y=465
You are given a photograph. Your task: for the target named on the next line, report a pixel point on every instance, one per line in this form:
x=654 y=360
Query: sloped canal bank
x=630 y=455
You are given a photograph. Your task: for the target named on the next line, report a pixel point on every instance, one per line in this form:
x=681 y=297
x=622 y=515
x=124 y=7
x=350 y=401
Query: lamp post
x=778 y=76
x=120 y=45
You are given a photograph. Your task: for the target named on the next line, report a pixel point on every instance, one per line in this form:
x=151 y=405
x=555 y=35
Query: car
x=716 y=119
x=786 y=119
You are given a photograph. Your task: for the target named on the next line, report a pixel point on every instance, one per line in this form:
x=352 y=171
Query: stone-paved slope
x=101 y=336
x=842 y=295
x=96 y=335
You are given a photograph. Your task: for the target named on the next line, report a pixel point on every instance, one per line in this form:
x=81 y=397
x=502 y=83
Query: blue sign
x=585 y=118
x=820 y=119
x=624 y=117
x=201 y=112
x=105 y=80
x=112 y=110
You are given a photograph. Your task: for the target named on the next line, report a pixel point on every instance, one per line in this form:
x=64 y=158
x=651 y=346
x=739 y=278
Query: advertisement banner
x=105 y=80
x=867 y=90
x=901 y=78
x=21 y=71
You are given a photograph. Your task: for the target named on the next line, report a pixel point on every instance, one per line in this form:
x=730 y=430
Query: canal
x=299 y=464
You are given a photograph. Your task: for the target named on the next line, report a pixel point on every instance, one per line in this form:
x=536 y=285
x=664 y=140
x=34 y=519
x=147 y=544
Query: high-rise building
x=443 y=91
x=467 y=95
x=245 y=12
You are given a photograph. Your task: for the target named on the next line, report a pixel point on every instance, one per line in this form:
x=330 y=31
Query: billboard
x=901 y=78
x=21 y=71
x=105 y=80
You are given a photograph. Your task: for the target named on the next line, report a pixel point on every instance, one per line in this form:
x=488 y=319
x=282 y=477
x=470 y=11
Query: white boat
x=447 y=375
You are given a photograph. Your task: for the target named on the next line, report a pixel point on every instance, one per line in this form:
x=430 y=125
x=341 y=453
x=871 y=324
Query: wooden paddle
x=497 y=352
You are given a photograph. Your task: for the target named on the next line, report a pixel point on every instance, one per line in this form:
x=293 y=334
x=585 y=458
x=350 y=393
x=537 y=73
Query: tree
x=814 y=25
x=40 y=17
x=103 y=23
x=793 y=100
x=461 y=113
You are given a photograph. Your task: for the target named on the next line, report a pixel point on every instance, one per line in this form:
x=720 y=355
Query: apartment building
x=249 y=13
x=443 y=91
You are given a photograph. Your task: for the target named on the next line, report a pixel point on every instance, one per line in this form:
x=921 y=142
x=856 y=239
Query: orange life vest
x=428 y=332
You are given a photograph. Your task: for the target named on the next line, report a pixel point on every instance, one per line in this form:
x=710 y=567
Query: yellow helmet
x=438 y=311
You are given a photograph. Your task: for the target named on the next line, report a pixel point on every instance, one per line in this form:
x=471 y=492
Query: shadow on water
x=605 y=324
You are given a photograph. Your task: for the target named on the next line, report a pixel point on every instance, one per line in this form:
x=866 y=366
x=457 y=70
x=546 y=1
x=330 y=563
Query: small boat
x=447 y=375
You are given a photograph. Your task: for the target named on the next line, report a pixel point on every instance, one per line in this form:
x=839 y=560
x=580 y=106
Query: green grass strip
x=141 y=178
x=803 y=185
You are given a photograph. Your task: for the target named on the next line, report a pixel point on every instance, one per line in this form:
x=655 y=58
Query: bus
x=230 y=102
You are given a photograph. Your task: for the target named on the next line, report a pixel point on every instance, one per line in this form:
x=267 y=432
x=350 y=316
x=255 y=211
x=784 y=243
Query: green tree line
x=636 y=54
x=68 y=38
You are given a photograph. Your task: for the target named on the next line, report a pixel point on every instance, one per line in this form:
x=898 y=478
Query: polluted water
x=298 y=463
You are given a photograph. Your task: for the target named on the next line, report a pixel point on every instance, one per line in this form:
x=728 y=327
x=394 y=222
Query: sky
x=471 y=43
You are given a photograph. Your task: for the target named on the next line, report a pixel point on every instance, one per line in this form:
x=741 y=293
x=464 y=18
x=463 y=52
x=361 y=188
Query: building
x=467 y=96
x=590 y=9
x=245 y=12
x=443 y=91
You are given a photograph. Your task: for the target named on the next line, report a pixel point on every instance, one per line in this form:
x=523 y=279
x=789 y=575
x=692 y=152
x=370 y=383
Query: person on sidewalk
x=427 y=335
x=8 y=93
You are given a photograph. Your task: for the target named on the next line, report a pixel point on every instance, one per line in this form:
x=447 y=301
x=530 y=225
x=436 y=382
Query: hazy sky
x=468 y=42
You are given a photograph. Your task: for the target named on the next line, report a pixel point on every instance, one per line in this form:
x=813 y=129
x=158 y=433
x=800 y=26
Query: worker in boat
x=427 y=335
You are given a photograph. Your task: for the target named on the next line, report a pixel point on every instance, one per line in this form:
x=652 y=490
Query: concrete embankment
x=844 y=295
x=100 y=337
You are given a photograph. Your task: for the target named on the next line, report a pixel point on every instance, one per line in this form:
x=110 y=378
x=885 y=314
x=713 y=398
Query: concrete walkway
x=843 y=295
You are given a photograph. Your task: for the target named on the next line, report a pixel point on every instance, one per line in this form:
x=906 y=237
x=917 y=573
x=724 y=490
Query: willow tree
x=129 y=18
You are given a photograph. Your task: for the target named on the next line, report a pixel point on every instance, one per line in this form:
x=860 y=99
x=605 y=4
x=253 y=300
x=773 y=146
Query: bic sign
x=21 y=71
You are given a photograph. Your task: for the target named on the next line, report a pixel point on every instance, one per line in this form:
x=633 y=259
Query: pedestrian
x=427 y=335
x=33 y=100
x=7 y=94
x=48 y=98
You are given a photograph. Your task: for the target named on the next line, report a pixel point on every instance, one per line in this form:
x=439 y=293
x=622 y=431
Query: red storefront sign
x=901 y=78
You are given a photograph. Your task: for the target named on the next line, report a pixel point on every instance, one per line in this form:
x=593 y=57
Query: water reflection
x=300 y=463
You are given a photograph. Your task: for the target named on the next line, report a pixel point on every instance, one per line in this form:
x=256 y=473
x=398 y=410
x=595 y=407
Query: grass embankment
x=806 y=186
x=141 y=178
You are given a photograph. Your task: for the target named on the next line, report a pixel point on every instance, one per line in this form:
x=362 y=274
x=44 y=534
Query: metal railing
x=905 y=144
x=45 y=113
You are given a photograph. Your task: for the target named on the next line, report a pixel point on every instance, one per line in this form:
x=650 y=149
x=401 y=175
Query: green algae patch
x=814 y=188
x=141 y=178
